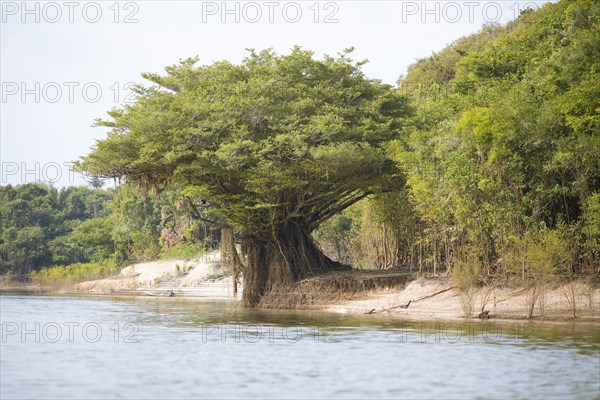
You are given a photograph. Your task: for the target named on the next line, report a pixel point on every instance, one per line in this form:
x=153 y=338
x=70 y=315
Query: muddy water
x=84 y=347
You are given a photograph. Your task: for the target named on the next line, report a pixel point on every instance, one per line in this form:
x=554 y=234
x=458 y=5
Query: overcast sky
x=63 y=64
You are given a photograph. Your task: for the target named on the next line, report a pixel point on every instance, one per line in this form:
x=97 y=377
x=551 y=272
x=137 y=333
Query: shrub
x=66 y=275
x=184 y=250
x=466 y=276
x=535 y=257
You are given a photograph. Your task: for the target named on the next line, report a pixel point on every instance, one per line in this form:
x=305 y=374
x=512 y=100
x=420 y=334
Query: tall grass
x=184 y=250
x=67 y=275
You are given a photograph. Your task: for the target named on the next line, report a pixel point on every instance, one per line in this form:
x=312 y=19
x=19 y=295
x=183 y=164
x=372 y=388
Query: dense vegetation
x=49 y=231
x=502 y=161
x=275 y=146
x=43 y=226
x=484 y=162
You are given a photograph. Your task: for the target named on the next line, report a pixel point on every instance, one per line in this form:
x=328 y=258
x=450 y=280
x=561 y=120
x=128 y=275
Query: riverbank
x=425 y=298
x=202 y=277
x=393 y=293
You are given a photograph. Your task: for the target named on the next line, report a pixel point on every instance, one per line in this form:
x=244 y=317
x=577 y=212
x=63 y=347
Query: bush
x=60 y=276
x=184 y=250
x=535 y=258
x=466 y=275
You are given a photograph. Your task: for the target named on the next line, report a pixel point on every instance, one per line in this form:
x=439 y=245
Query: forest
x=483 y=162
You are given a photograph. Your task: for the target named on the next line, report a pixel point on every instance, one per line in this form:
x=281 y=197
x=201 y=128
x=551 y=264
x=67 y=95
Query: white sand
x=206 y=278
x=502 y=302
x=203 y=277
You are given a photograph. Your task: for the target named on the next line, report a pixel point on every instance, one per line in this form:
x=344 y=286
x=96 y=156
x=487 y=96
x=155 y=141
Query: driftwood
x=515 y=294
x=435 y=294
x=375 y=311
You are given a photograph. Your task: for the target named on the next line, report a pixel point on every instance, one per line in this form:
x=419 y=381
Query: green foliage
x=136 y=231
x=381 y=231
x=148 y=225
x=272 y=139
x=184 y=250
x=96 y=237
x=592 y=214
x=41 y=226
x=58 y=276
x=539 y=254
x=468 y=270
x=485 y=160
x=335 y=233
x=36 y=224
x=507 y=137
x=466 y=275
x=538 y=257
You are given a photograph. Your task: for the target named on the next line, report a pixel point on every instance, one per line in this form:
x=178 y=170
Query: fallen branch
x=374 y=311
x=436 y=293
x=389 y=309
x=515 y=294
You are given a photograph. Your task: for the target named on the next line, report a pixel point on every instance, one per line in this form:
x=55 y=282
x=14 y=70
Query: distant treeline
x=41 y=226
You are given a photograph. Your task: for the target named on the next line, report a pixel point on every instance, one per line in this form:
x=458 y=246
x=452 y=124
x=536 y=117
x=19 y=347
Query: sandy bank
x=389 y=293
x=202 y=277
x=437 y=298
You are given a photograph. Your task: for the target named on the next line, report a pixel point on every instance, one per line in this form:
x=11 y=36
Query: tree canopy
x=279 y=143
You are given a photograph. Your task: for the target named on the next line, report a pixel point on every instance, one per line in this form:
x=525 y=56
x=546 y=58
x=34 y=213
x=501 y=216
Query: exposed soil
x=373 y=292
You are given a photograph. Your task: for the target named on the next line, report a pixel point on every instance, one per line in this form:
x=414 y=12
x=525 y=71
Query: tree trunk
x=280 y=258
x=229 y=255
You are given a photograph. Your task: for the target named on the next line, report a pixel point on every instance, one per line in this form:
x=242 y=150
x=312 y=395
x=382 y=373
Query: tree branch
x=199 y=216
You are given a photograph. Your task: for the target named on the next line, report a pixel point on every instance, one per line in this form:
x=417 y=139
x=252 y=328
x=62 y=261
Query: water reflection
x=192 y=313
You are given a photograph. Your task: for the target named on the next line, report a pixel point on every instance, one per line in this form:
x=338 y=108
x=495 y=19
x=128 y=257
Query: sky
x=65 y=63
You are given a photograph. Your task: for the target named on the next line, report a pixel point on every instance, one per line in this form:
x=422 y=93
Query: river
x=159 y=348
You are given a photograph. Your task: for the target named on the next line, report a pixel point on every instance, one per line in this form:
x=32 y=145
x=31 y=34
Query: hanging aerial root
x=334 y=286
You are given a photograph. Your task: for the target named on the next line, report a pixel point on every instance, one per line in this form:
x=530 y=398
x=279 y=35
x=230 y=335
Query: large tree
x=275 y=145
